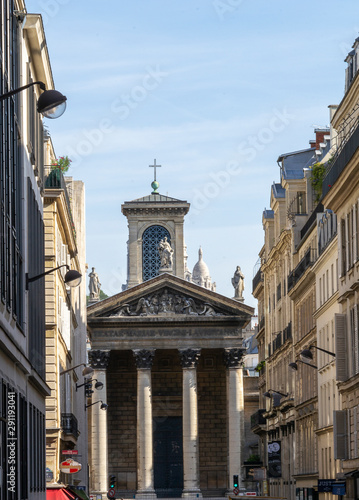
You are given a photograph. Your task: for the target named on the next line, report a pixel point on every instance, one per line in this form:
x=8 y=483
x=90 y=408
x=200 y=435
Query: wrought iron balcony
x=257 y=418
x=346 y=150
x=69 y=424
x=258 y=278
x=306 y=262
x=55 y=180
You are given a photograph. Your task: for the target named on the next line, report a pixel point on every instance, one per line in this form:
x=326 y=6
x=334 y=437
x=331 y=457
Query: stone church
x=168 y=350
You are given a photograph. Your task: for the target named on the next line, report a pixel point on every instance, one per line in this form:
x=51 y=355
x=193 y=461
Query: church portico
x=174 y=379
x=174 y=388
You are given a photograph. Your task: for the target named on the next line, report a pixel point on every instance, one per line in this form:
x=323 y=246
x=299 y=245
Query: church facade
x=169 y=353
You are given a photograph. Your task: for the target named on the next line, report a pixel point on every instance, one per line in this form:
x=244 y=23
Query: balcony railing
x=313 y=218
x=55 y=180
x=257 y=279
x=69 y=424
x=257 y=418
x=307 y=261
x=261 y=323
x=344 y=154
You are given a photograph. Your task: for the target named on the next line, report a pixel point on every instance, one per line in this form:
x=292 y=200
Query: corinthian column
x=235 y=399
x=189 y=361
x=98 y=432
x=145 y=485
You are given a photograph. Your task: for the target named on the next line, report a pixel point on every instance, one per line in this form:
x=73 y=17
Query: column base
x=146 y=494
x=192 y=494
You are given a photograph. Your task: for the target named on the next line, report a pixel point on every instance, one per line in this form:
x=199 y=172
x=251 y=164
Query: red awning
x=60 y=494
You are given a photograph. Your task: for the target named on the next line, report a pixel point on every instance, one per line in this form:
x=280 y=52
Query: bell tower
x=150 y=220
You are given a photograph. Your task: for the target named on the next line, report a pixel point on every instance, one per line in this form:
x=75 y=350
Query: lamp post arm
x=12 y=92
x=307 y=364
x=323 y=350
x=34 y=278
x=73 y=368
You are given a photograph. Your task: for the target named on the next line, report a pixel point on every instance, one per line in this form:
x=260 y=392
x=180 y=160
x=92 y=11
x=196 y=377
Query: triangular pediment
x=168 y=296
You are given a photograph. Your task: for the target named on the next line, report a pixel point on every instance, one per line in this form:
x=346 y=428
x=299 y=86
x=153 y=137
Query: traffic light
x=235 y=481
x=113 y=482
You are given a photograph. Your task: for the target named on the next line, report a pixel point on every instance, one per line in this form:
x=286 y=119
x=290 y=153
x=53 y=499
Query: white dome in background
x=200 y=270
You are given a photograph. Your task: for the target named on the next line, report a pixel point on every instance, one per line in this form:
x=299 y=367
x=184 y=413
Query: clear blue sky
x=214 y=90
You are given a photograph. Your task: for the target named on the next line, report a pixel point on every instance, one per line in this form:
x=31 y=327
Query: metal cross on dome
x=155 y=166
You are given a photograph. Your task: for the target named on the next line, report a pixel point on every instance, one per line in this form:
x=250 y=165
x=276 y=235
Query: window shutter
x=347 y=244
x=340 y=434
x=355 y=340
x=340 y=246
x=355 y=431
x=354 y=234
x=341 y=347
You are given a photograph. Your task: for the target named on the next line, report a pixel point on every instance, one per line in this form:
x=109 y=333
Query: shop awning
x=78 y=492
x=60 y=494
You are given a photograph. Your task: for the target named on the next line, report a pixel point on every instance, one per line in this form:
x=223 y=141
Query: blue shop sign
x=331 y=486
x=338 y=488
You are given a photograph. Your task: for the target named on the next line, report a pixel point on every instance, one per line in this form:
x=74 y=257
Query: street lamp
x=86 y=371
x=294 y=367
x=51 y=103
x=72 y=277
x=306 y=355
x=269 y=395
x=88 y=384
x=103 y=406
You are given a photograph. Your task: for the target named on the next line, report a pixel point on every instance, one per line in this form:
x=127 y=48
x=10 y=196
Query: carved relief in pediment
x=164 y=303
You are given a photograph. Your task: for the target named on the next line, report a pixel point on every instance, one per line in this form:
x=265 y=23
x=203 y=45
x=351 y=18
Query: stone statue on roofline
x=238 y=284
x=94 y=286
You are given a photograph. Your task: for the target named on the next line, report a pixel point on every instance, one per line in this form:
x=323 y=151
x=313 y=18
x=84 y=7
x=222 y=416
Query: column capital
x=99 y=359
x=233 y=357
x=189 y=357
x=144 y=358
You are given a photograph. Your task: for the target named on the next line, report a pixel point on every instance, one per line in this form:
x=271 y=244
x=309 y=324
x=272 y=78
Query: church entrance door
x=168 y=456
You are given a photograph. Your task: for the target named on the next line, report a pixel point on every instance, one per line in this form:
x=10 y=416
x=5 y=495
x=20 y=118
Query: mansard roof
x=293 y=163
x=268 y=214
x=278 y=191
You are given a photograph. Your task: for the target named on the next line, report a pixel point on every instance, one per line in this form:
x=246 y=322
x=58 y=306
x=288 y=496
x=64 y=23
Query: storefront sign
x=331 y=486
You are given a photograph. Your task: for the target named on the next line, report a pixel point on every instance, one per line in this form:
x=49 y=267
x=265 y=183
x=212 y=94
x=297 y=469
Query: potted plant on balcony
x=260 y=366
x=63 y=164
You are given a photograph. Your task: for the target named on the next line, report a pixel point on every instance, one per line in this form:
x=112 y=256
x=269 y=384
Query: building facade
x=23 y=59
x=341 y=194
x=294 y=257
x=66 y=423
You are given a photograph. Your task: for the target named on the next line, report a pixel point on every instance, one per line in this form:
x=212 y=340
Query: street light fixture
x=103 y=406
x=269 y=395
x=307 y=356
x=51 y=103
x=294 y=367
x=72 y=277
x=88 y=384
x=86 y=371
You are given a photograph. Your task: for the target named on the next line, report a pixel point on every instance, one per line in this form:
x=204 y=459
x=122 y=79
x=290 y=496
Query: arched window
x=151 y=260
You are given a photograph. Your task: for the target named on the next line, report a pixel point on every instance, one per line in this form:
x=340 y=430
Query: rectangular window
x=11 y=269
x=343 y=248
